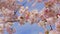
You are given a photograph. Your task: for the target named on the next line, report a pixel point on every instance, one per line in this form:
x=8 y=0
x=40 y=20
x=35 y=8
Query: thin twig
x=51 y=27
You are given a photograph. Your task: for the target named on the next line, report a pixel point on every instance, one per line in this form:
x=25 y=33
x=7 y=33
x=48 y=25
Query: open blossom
x=22 y=20
x=8 y=27
x=27 y=13
x=8 y=12
x=33 y=16
x=31 y=19
x=57 y=28
x=22 y=10
x=51 y=20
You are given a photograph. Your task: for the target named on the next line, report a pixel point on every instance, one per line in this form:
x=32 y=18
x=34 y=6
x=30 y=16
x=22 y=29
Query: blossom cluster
x=49 y=15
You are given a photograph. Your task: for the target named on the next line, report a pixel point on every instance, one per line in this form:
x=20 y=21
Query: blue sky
x=28 y=28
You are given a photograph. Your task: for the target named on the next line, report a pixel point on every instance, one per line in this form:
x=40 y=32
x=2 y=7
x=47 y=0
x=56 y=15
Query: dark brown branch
x=51 y=27
x=13 y=21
